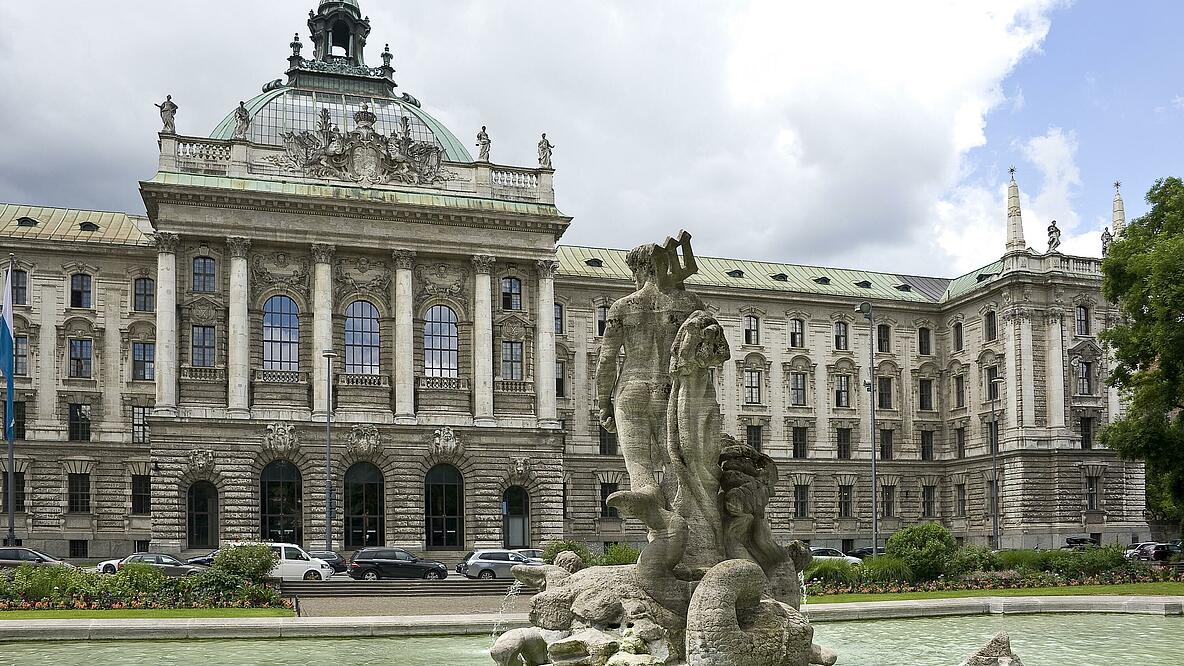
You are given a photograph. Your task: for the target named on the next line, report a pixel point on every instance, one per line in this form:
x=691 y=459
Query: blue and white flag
x=8 y=352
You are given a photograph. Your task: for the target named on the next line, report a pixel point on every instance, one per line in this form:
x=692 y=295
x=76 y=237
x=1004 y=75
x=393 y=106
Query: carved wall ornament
x=445 y=444
x=322 y=253
x=204 y=310
x=201 y=461
x=520 y=471
x=547 y=268
x=166 y=243
x=483 y=263
x=361 y=275
x=238 y=247
x=403 y=259
x=513 y=329
x=440 y=281
x=364 y=441
x=279 y=270
x=281 y=439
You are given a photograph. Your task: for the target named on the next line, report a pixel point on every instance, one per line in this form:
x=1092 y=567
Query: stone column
x=1027 y=371
x=404 y=339
x=166 y=324
x=322 y=324
x=544 y=338
x=1055 y=371
x=239 y=340
x=1012 y=362
x=482 y=341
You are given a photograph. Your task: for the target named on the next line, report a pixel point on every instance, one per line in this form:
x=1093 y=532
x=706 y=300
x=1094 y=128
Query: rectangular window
x=960 y=500
x=79 y=548
x=801 y=501
x=844 y=443
x=607 y=511
x=797 y=388
x=840 y=335
x=846 y=494
x=752 y=330
x=884 y=393
x=601 y=319
x=18 y=484
x=960 y=442
x=993 y=498
x=80 y=291
x=21 y=356
x=144 y=296
x=928 y=501
x=958 y=336
x=887 y=501
x=18 y=418
x=141 y=494
x=926 y=445
x=78 y=493
x=78 y=424
x=608 y=442
x=144 y=361
x=960 y=390
x=797 y=333
x=204 y=275
x=1087 y=432
x=559 y=319
x=1082 y=320
x=993 y=436
x=511 y=293
x=1085 y=378
x=992 y=385
x=1091 y=493
x=886 y=444
x=843 y=391
x=848 y=545
x=203 y=352
x=925 y=390
x=884 y=338
x=924 y=343
x=752 y=387
x=560 y=379
x=990 y=330
x=755 y=435
x=140 y=424
x=799 y=442
x=80 y=358
x=142 y=545
x=20 y=288
x=512 y=360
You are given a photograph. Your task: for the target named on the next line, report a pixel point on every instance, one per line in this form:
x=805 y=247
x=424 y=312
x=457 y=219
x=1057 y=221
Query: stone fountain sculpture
x=711 y=587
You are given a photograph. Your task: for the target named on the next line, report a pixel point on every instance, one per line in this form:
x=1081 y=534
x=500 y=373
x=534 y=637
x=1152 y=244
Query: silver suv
x=488 y=564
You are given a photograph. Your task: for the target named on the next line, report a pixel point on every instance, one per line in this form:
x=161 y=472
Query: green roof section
x=973 y=280
x=66 y=225
x=225 y=129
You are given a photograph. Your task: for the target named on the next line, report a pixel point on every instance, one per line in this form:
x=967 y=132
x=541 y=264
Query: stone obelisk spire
x=1015 y=222
x=1119 y=210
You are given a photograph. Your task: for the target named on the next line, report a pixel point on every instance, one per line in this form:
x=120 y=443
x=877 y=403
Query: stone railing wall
x=196 y=374
x=442 y=383
x=367 y=380
x=281 y=376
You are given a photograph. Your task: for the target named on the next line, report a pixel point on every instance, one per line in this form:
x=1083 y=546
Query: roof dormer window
x=904 y=287
x=87 y=225
x=864 y=284
x=26 y=222
x=780 y=277
x=594 y=262
x=736 y=273
x=822 y=279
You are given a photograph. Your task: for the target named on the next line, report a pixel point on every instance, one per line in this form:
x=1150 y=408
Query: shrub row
x=614 y=554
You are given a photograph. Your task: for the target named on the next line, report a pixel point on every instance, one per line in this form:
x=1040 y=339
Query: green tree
x=1143 y=274
x=925 y=548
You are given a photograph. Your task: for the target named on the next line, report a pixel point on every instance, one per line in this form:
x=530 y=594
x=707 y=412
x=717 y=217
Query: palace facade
x=173 y=387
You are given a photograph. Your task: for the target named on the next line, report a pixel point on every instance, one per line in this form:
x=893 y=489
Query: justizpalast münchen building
x=173 y=388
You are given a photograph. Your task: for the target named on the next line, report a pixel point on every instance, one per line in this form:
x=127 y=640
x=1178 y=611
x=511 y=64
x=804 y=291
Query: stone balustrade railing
x=513 y=386
x=517 y=179
x=196 y=374
x=366 y=380
x=1080 y=265
x=203 y=155
x=281 y=376
x=442 y=383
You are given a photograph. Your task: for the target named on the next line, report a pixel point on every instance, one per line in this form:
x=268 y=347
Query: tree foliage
x=1144 y=275
x=926 y=548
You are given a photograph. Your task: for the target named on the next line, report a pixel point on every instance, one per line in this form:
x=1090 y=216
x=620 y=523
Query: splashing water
x=513 y=592
x=802 y=587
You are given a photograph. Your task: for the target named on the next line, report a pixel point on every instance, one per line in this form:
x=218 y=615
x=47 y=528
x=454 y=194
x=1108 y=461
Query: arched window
x=511 y=293
x=364 y=524
x=201 y=516
x=80 y=290
x=204 y=277
x=841 y=340
x=990 y=329
x=281 y=334
x=444 y=501
x=144 y=299
x=883 y=338
x=516 y=518
x=281 y=503
x=361 y=338
x=752 y=329
x=440 y=342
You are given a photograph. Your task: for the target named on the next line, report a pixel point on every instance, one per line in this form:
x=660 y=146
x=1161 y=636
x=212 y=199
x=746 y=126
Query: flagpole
x=9 y=416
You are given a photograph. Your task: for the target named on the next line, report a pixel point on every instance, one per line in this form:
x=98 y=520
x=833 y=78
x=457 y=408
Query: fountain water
x=507 y=600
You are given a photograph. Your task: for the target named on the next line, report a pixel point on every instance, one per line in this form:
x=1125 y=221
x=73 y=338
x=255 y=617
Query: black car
x=206 y=560
x=865 y=551
x=383 y=562
x=334 y=560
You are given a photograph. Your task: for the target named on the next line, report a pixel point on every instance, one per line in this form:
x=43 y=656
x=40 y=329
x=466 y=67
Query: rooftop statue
x=242 y=121
x=545 y=148
x=168 y=114
x=483 y=143
x=1107 y=239
x=1054 y=237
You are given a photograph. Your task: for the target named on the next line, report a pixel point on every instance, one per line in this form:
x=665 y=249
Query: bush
x=1021 y=560
x=925 y=548
x=556 y=547
x=832 y=572
x=885 y=569
x=619 y=553
x=251 y=563
x=970 y=559
x=1081 y=563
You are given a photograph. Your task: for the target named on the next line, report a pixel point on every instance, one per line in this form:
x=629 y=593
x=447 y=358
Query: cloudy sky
x=865 y=134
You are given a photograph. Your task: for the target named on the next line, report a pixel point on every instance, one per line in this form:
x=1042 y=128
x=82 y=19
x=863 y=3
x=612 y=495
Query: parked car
x=1079 y=543
x=335 y=560
x=168 y=564
x=108 y=566
x=861 y=553
x=294 y=563
x=206 y=560
x=378 y=562
x=1157 y=552
x=833 y=554
x=487 y=564
x=12 y=557
x=1133 y=549
x=530 y=553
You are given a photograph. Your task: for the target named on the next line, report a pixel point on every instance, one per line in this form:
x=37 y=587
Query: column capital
x=547 y=268
x=483 y=263
x=403 y=258
x=322 y=253
x=166 y=243
x=238 y=246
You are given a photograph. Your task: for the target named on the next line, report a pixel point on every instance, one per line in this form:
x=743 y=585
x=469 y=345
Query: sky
x=866 y=135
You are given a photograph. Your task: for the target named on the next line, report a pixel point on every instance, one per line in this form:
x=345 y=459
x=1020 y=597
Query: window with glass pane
x=20 y=361
x=204 y=275
x=141 y=494
x=559 y=319
x=846 y=495
x=960 y=500
x=958 y=336
x=884 y=392
x=960 y=442
x=80 y=290
x=362 y=339
x=883 y=338
x=924 y=344
x=801 y=501
x=80 y=358
x=281 y=334
x=752 y=330
x=78 y=422
x=281 y=500
x=843 y=440
x=511 y=293
x=959 y=390
x=886 y=444
x=928 y=501
x=1087 y=432
x=797 y=388
x=840 y=335
x=925 y=394
x=990 y=330
x=144 y=296
x=608 y=442
x=144 y=361
x=1091 y=493
x=926 y=445
x=18 y=486
x=203 y=351
x=799 y=434
x=78 y=493
x=512 y=360
x=20 y=287
x=992 y=385
x=993 y=436
x=560 y=379
x=18 y=419
x=1082 y=320
x=440 y=342
x=887 y=501
x=140 y=424
x=364 y=506
x=1085 y=378
x=755 y=436
x=601 y=319
x=607 y=489
x=797 y=333
x=993 y=498
x=843 y=391
x=752 y=387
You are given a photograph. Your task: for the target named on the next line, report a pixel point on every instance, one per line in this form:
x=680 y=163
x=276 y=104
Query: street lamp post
x=865 y=309
x=994 y=444
x=330 y=509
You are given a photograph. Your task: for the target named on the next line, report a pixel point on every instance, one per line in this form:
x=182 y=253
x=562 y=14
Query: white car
x=833 y=554
x=108 y=566
x=1133 y=549
x=294 y=562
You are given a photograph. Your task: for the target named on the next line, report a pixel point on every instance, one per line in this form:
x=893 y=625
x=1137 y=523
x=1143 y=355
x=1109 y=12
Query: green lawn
x=1165 y=589
x=144 y=613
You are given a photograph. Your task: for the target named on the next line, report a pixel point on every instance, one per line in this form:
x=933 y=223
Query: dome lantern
x=339 y=32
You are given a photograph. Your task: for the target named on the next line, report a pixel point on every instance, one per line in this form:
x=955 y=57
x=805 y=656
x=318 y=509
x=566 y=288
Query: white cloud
x=1178 y=102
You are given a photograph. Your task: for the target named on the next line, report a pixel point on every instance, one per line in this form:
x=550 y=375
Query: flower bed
x=1001 y=580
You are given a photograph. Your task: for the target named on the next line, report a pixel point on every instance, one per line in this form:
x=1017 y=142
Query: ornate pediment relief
x=1085 y=349
x=281 y=440
x=279 y=269
x=364 y=441
x=440 y=280
x=205 y=310
x=361 y=276
x=513 y=327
